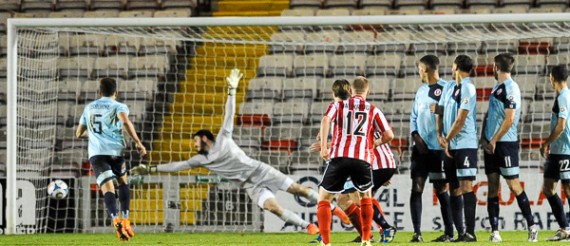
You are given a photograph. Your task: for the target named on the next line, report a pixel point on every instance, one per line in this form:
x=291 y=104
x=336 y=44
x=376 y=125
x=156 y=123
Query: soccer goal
x=171 y=75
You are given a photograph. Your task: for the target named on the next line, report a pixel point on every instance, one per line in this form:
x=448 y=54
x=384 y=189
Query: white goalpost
x=171 y=71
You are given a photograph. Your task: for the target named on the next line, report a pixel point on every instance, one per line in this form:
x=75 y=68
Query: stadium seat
x=324 y=88
x=562 y=44
x=278 y=159
x=405 y=88
x=529 y=64
x=36 y=5
x=70 y=4
x=333 y=12
x=293 y=111
x=407 y=10
x=141 y=89
x=467 y=46
x=543 y=3
x=512 y=9
x=63 y=109
x=112 y=66
x=248 y=136
x=282 y=132
x=471 y=3
x=351 y=4
x=455 y=3
x=441 y=10
x=150 y=46
x=170 y=13
x=508 y=46
x=532 y=155
x=376 y=4
x=123 y=45
x=544 y=90
x=31 y=15
x=177 y=4
x=136 y=14
x=516 y=2
x=409 y=65
x=306 y=162
x=88 y=44
x=481 y=108
x=3 y=20
x=3 y=67
x=311 y=65
x=10 y=5
x=298 y=12
x=370 y=11
x=3 y=114
x=137 y=110
x=102 y=14
x=275 y=65
x=37 y=68
x=527 y=84
x=89 y=90
x=67 y=14
x=71 y=156
x=324 y=41
x=287 y=37
x=106 y=4
x=315 y=4
x=148 y=66
x=540 y=110
x=536 y=46
x=79 y=66
x=265 y=88
x=359 y=41
x=143 y=4
x=390 y=42
x=255 y=113
x=401 y=130
x=317 y=111
x=536 y=129
x=69 y=89
x=348 y=65
x=379 y=88
x=406 y=4
x=556 y=59
x=3 y=90
x=302 y=87
x=383 y=65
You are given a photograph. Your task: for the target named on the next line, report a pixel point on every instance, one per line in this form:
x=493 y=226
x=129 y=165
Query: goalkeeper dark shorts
x=107 y=167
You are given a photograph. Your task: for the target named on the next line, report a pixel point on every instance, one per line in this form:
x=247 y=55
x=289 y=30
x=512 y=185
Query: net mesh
x=172 y=79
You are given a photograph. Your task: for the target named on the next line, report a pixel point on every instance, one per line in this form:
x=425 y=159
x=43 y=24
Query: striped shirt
x=355 y=122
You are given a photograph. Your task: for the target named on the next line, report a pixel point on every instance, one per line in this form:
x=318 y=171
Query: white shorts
x=264 y=182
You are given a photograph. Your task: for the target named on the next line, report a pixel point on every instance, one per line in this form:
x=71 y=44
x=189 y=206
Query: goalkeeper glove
x=233 y=80
x=142 y=170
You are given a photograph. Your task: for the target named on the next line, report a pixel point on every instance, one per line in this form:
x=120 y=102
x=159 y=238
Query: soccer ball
x=58 y=189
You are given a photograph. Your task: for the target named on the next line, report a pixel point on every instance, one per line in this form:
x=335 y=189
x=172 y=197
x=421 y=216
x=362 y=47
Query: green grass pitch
x=218 y=239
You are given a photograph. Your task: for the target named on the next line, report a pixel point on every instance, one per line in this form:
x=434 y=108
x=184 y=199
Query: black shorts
x=381 y=176
x=465 y=161
x=339 y=169
x=430 y=165
x=505 y=160
x=557 y=167
x=107 y=167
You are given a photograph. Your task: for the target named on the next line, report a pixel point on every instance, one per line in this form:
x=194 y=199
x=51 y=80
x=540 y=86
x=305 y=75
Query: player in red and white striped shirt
x=351 y=154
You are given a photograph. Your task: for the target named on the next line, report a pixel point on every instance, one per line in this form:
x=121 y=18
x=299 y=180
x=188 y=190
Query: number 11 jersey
x=355 y=121
x=104 y=127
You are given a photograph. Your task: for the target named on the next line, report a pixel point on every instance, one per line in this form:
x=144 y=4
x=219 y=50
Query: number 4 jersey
x=104 y=127
x=355 y=121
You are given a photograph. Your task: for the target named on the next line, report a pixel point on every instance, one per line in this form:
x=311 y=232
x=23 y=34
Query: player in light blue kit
x=457 y=135
x=557 y=166
x=426 y=153
x=501 y=144
x=103 y=120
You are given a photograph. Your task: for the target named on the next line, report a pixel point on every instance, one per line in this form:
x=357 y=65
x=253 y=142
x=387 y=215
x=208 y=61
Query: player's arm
x=420 y=144
x=82 y=127
x=457 y=124
x=195 y=161
x=130 y=128
x=382 y=125
x=233 y=81
x=482 y=140
x=325 y=129
x=555 y=134
x=505 y=126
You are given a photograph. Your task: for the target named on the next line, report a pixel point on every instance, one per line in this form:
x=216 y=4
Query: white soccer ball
x=58 y=189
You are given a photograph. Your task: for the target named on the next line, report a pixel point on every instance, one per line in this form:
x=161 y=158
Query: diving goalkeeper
x=224 y=157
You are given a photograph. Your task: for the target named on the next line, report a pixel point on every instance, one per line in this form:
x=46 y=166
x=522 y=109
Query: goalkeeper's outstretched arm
x=195 y=161
x=233 y=81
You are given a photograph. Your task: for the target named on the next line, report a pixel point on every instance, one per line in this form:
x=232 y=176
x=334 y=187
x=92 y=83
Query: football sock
x=493 y=210
x=366 y=214
x=293 y=218
x=524 y=205
x=445 y=208
x=558 y=210
x=111 y=204
x=379 y=217
x=324 y=217
x=470 y=209
x=124 y=199
x=353 y=213
x=456 y=203
x=416 y=210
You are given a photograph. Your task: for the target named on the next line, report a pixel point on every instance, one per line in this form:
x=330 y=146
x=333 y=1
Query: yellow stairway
x=199 y=104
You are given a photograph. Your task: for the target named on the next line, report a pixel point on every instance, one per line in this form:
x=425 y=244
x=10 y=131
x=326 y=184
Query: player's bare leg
x=108 y=190
x=125 y=200
x=271 y=205
x=312 y=195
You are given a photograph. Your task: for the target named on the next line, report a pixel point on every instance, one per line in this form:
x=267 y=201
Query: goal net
x=171 y=75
